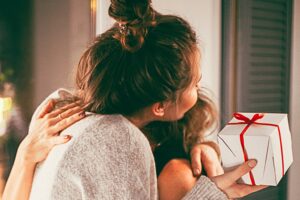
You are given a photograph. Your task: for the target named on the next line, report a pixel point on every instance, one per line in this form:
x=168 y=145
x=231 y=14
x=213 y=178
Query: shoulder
x=104 y=138
x=99 y=132
x=116 y=130
x=109 y=155
x=97 y=153
x=176 y=179
x=60 y=93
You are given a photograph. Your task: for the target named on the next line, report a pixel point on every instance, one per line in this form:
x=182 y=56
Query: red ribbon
x=253 y=120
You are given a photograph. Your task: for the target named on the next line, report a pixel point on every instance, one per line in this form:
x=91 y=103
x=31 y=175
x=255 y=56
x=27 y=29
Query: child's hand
x=204 y=154
x=227 y=182
x=44 y=132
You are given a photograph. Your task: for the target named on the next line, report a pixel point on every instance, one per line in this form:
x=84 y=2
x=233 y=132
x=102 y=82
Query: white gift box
x=264 y=137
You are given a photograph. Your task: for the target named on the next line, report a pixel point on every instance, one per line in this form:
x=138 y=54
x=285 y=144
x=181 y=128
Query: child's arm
x=36 y=146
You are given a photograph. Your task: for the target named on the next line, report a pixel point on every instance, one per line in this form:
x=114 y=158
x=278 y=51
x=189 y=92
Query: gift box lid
x=269 y=118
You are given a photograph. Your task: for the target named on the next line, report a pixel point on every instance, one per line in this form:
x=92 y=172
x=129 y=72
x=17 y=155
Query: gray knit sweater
x=107 y=158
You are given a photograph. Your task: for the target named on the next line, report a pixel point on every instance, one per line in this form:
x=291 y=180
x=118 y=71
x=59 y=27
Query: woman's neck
x=140 y=119
x=137 y=121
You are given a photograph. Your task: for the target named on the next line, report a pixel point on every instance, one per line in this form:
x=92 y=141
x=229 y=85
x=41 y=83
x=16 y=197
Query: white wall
x=204 y=16
x=294 y=175
x=103 y=21
x=61 y=33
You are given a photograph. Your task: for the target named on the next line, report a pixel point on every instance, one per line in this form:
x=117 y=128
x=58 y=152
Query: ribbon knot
x=242 y=117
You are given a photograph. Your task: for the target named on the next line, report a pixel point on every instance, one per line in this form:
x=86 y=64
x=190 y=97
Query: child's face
x=188 y=97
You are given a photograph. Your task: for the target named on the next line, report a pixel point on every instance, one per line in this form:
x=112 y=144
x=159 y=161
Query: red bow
x=255 y=117
x=253 y=120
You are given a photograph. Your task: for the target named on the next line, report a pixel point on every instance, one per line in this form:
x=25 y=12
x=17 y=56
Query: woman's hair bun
x=133 y=17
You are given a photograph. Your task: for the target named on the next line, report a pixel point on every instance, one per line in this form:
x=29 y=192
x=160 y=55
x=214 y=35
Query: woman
x=144 y=69
x=43 y=137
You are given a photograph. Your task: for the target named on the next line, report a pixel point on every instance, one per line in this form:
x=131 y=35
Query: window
x=256 y=38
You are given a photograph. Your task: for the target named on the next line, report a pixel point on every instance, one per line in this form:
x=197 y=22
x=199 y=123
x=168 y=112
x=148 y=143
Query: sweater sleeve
x=205 y=189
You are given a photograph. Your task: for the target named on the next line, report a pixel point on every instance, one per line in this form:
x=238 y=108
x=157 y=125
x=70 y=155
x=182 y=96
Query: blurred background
x=251 y=61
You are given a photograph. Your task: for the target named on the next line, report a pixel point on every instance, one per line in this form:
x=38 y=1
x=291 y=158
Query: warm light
x=5 y=104
x=93 y=5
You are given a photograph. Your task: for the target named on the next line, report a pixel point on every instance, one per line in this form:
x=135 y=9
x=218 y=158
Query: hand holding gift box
x=264 y=137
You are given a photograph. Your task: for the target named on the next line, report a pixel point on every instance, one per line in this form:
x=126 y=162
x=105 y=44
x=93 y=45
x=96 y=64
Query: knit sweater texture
x=107 y=158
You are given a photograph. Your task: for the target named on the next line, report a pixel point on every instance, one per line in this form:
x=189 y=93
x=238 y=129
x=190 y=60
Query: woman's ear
x=158 y=109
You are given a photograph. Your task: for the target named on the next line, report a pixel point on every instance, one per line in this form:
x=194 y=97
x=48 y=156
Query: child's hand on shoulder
x=206 y=154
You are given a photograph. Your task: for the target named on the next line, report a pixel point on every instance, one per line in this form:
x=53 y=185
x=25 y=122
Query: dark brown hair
x=144 y=58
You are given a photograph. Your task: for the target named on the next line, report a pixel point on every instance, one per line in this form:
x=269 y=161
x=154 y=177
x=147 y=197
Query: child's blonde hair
x=198 y=123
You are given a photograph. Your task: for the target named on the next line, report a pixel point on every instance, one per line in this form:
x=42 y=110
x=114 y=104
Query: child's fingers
x=196 y=161
x=65 y=114
x=66 y=122
x=212 y=165
x=56 y=140
x=47 y=108
x=220 y=170
x=210 y=169
x=210 y=160
x=62 y=109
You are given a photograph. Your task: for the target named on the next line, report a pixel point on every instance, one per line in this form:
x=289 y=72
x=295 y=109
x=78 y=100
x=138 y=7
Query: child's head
x=145 y=59
x=196 y=125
